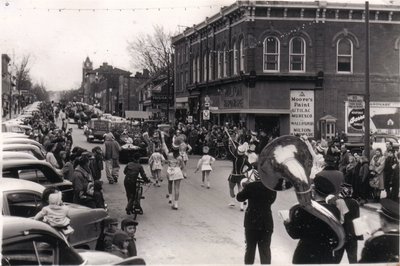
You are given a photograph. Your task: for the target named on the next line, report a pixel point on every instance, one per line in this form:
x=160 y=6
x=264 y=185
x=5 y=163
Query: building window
x=241 y=49
x=344 y=56
x=271 y=54
x=235 y=59
x=194 y=70
x=219 y=64
x=297 y=55
x=210 y=66
x=198 y=77
x=226 y=59
x=205 y=67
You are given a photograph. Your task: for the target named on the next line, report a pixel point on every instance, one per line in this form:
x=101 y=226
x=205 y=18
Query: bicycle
x=219 y=150
x=137 y=208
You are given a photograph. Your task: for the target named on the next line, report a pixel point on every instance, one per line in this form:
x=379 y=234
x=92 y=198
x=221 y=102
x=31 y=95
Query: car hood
x=98 y=257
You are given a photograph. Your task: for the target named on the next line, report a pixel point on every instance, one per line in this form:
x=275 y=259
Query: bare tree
x=23 y=79
x=152 y=52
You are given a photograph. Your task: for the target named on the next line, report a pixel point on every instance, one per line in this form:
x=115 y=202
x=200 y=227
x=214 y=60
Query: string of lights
x=129 y=9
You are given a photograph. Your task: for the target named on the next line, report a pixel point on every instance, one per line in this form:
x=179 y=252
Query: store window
x=271 y=54
x=344 y=56
x=297 y=56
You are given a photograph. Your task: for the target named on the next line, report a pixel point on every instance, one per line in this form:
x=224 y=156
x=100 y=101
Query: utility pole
x=367 y=100
x=169 y=89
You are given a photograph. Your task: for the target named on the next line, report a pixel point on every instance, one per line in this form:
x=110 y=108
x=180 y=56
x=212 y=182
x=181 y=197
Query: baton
x=233 y=143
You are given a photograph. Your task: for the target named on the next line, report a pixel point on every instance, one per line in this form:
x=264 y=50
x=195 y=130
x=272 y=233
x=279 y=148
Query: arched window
x=241 y=50
x=297 y=55
x=210 y=66
x=226 y=59
x=235 y=59
x=205 y=67
x=271 y=54
x=344 y=56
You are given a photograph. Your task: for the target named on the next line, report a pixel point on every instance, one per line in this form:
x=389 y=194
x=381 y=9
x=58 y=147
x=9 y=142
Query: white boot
x=208 y=184
x=175 y=207
x=241 y=206
x=170 y=199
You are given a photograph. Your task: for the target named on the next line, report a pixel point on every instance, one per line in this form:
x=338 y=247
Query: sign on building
x=355 y=113
x=206 y=114
x=302 y=112
x=190 y=119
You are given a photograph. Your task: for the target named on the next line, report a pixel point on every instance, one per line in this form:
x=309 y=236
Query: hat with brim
x=390 y=209
x=328 y=182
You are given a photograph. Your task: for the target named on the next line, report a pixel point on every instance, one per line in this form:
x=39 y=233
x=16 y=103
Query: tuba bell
x=287 y=162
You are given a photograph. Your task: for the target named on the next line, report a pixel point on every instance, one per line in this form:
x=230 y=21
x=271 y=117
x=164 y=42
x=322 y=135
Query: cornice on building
x=246 y=9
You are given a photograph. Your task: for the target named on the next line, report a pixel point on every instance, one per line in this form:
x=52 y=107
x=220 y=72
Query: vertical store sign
x=355 y=113
x=302 y=112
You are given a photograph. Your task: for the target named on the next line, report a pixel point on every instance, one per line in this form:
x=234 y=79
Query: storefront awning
x=251 y=111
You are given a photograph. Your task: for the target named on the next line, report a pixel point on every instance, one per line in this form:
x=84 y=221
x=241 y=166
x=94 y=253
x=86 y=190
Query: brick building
x=288 y=67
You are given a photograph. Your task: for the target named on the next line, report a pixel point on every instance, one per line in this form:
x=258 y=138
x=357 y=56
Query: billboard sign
x=302 y=112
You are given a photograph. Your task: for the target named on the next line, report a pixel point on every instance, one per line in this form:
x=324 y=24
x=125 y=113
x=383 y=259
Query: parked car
x=12 y=127
x=24 y=199
x=378 y=141
x=29 y=242
x=25 y=141
x=16 y=155
x=27 y=148
x=39 y=172
x=13 y=135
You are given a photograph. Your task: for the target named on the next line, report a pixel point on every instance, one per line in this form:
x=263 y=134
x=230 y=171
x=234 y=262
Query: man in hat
x=258 y=220
x=111 y=158
x=383 y=246
x=105 y=240
x=263 y=141
x=316 y=239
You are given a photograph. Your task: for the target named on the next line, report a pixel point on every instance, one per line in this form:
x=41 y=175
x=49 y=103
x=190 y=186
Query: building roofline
x=289 y=4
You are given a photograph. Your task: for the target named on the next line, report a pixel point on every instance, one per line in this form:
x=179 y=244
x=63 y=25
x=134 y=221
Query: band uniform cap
x=390 y=209
x=241 y=149
x=328 y=182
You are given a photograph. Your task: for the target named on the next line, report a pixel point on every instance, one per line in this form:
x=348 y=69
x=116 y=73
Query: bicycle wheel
x=223 y=154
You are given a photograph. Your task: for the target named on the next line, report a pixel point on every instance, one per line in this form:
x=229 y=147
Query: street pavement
x=205 y=230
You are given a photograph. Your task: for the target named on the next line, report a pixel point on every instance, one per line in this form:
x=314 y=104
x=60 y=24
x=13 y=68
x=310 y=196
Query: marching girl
x=175 y=175
x=204 y=164
x=156 y=165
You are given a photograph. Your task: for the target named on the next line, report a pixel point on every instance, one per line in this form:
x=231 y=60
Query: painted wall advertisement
x=384 y=116
x=302 y=112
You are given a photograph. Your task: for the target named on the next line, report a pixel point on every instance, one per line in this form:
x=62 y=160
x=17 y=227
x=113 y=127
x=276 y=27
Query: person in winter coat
x=111 y=158
x=391 y=163
x=365 y=189
x=377 y=165
x=96 y=163
x=120 y=244
x=258 y=220
x=98 y=194
x=129 y=226
x=83 y=183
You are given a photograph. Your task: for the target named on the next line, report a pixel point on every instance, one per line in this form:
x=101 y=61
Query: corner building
x=288 y=67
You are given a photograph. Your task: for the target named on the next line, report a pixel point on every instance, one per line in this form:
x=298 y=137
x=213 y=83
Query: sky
x=59 y=39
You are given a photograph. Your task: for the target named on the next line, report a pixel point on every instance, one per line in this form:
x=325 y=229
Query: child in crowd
x=120 y=244
x=56 y=214
x=98 y=194
x=204 y=164
x=155 y=161
x=110 y=228
x=129 y=226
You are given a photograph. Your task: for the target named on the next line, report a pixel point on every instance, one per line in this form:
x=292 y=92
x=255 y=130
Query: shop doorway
x=270 y=124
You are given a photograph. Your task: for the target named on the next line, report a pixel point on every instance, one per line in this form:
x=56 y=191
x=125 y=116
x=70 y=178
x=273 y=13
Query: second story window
x=219 y=54
x=241 y=50
x=235 y=59
x=198 y=77
x=271 y=54
x=194 y=70
x=297 y=55
x=210 y=66
x=225 y=72
x=205 y=67
x=344 y=56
